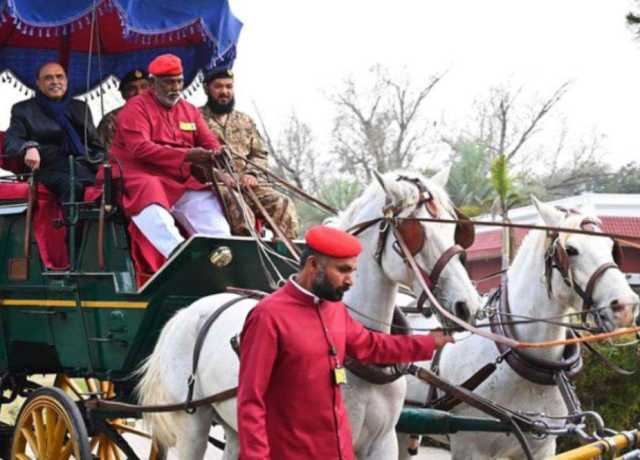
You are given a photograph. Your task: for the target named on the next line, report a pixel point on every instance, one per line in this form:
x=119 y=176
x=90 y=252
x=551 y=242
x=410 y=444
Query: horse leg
x=404 y=441
x=192 y=432
x=386 y=449
x=232 y=448
x=545 y=449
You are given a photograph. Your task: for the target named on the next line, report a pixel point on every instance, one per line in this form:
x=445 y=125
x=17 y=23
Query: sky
x=292 y=54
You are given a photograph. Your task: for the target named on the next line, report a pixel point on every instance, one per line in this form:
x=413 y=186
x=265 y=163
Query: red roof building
x=620 y=213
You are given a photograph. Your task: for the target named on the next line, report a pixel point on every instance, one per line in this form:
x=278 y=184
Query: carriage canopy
x=97 y=38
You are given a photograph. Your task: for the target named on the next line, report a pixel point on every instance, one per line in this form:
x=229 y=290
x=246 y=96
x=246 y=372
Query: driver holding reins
x=292 y=351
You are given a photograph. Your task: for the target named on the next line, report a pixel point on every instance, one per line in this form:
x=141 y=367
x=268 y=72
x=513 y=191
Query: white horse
x=373 y=409
x=527 y=294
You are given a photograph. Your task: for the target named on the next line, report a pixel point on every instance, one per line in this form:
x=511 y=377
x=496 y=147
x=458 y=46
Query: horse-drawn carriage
x=76 y=304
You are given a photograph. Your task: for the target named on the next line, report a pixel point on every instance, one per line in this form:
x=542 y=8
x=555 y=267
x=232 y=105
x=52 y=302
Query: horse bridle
x=557 y=258
x=413 y=234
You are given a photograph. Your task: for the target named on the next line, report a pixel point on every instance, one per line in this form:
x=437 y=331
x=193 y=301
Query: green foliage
x=469 y=184
x=337 y=193
x=500 y=177
x=625 y=180
x=615 y=397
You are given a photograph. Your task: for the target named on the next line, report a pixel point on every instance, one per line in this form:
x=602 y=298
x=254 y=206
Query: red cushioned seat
x=14 y=164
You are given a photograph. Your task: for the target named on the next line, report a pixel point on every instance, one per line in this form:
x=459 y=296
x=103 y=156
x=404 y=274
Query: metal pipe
x=604 y=446
x=431 y=421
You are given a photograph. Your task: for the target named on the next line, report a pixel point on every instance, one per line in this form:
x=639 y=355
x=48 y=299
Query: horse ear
x=387 y=186
x=588 y=209
x=381 y=180
x=442 y=177
x=550 y=215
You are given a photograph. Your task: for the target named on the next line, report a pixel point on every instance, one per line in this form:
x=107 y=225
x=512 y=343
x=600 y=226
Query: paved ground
x=142 y=448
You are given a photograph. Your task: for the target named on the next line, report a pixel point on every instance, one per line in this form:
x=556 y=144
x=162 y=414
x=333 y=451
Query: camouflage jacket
x=241 y=135
x=107 y=128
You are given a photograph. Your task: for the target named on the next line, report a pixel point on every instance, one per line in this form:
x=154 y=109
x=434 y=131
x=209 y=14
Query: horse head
x=400 y=199
x=583 y=271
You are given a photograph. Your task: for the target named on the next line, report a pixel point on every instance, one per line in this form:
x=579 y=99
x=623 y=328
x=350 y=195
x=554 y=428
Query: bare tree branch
x=544 y=109
x=381 y=128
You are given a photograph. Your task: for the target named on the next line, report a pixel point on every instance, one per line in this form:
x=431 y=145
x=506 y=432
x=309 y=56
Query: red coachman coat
x=289 y=407
x=150 y=144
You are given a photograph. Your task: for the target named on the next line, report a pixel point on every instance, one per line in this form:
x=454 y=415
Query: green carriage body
x=92 y=322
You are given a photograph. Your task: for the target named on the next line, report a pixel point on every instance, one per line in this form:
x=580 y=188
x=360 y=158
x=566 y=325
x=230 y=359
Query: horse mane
x=404 y=193
x=537 y=238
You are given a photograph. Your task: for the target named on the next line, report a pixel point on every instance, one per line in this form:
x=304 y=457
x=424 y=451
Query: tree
x=567 y=172
x=505 y=123
x=336 y=192
x=624 y=180
x=633 y=18
x=293 y=154
x=469 y=185
x=381 y=128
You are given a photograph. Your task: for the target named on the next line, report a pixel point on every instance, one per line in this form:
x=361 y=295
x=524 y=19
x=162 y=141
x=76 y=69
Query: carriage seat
x=51 y=239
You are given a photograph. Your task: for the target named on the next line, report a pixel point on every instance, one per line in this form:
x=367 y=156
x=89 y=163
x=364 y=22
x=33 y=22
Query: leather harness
x=534 y=369
x=414 y=235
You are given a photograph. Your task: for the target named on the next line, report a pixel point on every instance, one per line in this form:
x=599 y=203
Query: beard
x=323 y=289
x=220 y=108
x=168 y=99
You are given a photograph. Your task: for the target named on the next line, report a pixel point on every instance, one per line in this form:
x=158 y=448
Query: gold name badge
x=184 y=126
x=339 y=375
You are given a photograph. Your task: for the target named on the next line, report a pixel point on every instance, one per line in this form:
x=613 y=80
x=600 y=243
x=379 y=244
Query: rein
x=498 y=338
x=392 y=222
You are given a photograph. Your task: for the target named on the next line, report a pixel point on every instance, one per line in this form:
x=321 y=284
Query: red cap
x=332 y=242
x=166 y=64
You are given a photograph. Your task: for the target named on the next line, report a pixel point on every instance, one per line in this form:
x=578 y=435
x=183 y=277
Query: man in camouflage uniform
x=238 y=131
x=132 y=84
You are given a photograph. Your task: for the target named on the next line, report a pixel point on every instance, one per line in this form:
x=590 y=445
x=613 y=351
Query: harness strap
x=114 y=406
x=432 y=394
x=448 y=402
x=531 y=368
x=477 y=402
x=591 y=284
x=202 y=335
x=382 y=374
x=441 y=263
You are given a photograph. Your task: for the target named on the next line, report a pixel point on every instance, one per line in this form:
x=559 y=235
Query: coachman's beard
x=220 y=108
x=324 y=290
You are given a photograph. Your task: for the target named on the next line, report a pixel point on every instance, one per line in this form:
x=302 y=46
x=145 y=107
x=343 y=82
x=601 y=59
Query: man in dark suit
x=49 y=128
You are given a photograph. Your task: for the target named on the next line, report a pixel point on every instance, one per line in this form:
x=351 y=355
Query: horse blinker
x=413 y=234
x=465 y=231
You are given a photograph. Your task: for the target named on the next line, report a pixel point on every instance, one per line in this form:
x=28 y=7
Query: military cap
x=217 y=72
x=131 y=76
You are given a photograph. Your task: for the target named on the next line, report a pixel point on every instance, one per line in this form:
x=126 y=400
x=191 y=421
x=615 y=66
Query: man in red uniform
x=292 y=350
x=159 y=136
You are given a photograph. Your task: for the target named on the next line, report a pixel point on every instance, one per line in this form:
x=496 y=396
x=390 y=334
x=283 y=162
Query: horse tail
x=152 y=391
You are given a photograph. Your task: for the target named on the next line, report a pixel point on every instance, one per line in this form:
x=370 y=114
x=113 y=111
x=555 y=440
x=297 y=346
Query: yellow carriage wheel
x=50 y=427
x=102 y=447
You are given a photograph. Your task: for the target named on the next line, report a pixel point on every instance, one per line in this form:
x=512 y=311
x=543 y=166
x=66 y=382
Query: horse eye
x=571 y=251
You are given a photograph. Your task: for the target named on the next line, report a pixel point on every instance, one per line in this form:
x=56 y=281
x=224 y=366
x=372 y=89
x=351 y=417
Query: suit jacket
x=29 y=124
